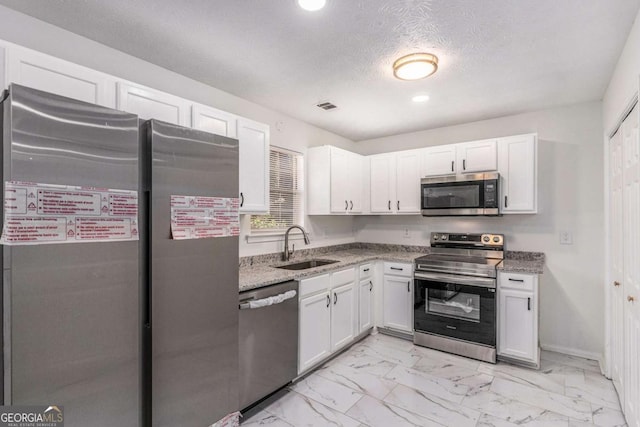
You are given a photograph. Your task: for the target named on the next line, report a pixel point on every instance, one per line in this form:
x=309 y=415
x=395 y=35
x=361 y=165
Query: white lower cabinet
x=397 y=290
x=518 y=317
x=328 y=316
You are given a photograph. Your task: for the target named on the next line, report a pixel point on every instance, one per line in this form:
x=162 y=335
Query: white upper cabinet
x=254 y=166
x=517 y=164
x=477 y=156
x=335 y=181
x=214 y=121
x=439 y=160
x=43 y=72
x=152 y=104
x=395 y=182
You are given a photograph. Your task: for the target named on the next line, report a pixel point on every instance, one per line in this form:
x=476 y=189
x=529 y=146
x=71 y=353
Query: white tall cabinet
x=517 y=165
x=624 y=290
x=254 y=141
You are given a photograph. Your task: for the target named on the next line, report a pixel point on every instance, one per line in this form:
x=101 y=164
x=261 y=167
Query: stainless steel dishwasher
x=268 y=340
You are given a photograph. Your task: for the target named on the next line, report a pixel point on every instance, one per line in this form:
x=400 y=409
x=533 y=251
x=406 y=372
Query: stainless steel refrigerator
x=71 y=312
x=193 y=283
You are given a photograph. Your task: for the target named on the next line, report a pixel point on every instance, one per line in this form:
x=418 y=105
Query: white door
x=397 y=307
x=408 y=181
x=355 y=181
x=340 y=185
x=365 y=306
x=254 y=166
x=152 y=104
x=314 y=330
x=477 y=156
x=616 y=261
x=517 y=167
x=214 y=121
x=439 y=160
x=343 y=315
x=631 y=266
x=381 y=171
x=44 y=72
x=517 y=317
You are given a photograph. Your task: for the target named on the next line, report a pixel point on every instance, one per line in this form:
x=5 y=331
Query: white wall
x=294 y=134
x=570 y=198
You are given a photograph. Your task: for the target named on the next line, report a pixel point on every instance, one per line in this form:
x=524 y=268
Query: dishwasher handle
x=266 y=302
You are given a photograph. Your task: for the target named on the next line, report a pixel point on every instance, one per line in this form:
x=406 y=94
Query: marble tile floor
x=387 y=382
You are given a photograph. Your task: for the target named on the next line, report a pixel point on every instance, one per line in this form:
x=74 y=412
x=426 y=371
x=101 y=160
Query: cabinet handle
x=516 y=280
x=616 y=283
x=630 y=298
x=328 y=301
x=389 y=204
x=398 y=204
x=370 y=286
x=529 y=304
x=351 y=203
x=365 y=270
x=452 y=162
x=396 y=268
x=506 y=202
x=464 y=164
x=335 y=298
x=241 y=199
x=409 y=286
x=346 y=205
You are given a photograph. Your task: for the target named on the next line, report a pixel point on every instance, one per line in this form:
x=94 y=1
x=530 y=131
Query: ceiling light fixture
x=415 y=66
x=312 y=5
x=420 y=98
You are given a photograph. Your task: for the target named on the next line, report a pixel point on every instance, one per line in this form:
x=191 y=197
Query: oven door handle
x=461 y=280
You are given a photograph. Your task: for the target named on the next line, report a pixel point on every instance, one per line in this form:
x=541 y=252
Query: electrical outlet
x=406 y=234
x=566 y=238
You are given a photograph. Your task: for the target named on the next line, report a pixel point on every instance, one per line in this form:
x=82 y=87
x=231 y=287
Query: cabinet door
x=477 y=156
x=343 y=315
x=408 y=181
x=44 y=72
x=517 y=317
x=381 y=171
x=365 y=306
x=152 y=104
x=355 y=180
x=214 y=121
x=340 y=185
x=254 y=166
x=315 y=330
x=517 y=167
x=439 y=160
x=397 y=307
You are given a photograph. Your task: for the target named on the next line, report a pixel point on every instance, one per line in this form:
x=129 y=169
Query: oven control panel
x=467 y=240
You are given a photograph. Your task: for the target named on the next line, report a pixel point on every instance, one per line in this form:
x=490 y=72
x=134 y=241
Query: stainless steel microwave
x=460 y=195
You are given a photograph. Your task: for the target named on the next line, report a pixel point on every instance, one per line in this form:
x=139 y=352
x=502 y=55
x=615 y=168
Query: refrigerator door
x=71 y=311
x=194 y=283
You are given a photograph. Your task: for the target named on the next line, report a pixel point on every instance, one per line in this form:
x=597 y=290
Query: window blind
x=286 y=182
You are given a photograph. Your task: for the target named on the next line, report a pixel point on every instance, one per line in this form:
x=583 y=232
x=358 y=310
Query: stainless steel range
x=455 y=294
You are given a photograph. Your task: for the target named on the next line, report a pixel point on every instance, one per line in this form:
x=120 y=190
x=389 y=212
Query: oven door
x=460 y=307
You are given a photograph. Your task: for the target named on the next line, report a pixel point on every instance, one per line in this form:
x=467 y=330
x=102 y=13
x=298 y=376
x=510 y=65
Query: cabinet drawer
x=517 y=281
x=342 y=277
x=366 y=271
x=398 y=269
x=313 y=285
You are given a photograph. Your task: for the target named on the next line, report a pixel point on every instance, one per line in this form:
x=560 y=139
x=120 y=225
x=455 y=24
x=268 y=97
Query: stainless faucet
x=287 y=253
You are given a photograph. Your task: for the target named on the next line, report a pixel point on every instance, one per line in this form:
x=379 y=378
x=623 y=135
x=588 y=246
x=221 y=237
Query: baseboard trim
x=575 y=352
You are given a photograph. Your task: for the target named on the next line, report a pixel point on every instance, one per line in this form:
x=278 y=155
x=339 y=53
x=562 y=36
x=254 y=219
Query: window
x=286 y=192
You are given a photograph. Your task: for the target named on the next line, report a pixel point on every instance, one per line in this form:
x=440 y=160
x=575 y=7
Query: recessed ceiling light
x=420 y=98
x=312 y=5
x=415 y=66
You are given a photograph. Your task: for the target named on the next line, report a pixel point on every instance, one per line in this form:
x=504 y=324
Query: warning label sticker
x=199 y=217
x=47 y=213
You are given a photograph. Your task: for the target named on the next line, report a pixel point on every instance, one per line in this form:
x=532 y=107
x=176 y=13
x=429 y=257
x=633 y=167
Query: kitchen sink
x=303 y=265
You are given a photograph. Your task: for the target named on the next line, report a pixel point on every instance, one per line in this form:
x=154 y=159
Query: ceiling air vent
x=326 y=106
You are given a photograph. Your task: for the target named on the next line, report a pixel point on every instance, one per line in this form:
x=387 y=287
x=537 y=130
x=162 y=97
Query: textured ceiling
x=497 y=57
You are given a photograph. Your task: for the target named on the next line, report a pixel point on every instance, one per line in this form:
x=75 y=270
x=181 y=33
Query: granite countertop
x=259 y=271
